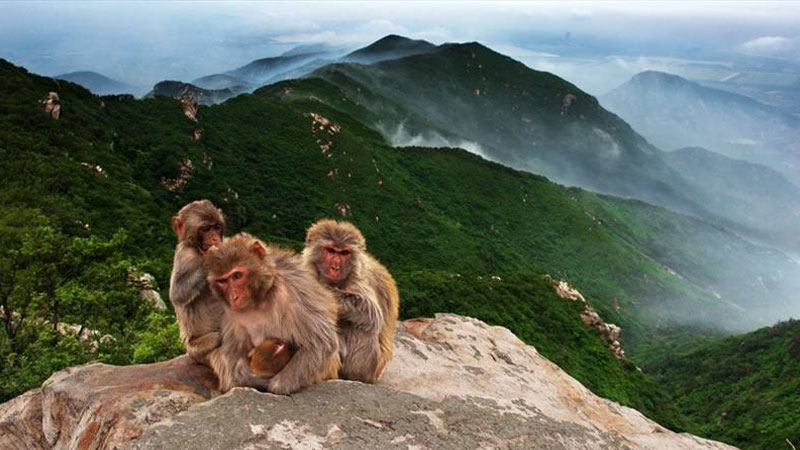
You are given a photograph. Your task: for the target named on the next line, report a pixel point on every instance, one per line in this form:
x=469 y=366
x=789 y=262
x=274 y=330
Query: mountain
x=269 y=69
x=332 y=51
x=389 y=47
x=468 y=96
x=177 y=89
x=218 y=81
x=471 y=96
x=762 y=200
x=673 y=112
x=97 y=83
x=744 y=390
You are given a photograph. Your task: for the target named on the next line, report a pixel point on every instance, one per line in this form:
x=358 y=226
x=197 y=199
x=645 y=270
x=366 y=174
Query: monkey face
x=209 y=236
x=335 y=262
x=235 y=287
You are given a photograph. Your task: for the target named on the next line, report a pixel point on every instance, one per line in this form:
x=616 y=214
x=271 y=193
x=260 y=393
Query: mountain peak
x=389 y=47
x=96 y=82
x=650 y=77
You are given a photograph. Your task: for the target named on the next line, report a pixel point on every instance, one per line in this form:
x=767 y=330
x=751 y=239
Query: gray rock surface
x=455 y=383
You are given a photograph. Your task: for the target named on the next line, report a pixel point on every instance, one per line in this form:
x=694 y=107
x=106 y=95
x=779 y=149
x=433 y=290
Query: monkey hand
x=277 y=385
x=348 y=299
x=257 y=382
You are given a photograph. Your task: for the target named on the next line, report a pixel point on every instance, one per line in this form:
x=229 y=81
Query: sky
x=144 y=42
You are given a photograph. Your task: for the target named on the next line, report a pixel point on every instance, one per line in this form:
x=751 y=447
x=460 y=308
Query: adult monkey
x=198 y=226
x=366 y=292
x=268 y=294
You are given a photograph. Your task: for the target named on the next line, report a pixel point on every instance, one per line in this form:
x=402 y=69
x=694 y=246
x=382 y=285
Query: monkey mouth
x=334 y=272
x=237 y=304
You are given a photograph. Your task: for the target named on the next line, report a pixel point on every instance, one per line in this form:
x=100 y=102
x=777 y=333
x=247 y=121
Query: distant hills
x=756 y=197
x=177 y=89
x=98 y=83
x=466 y=95
x=474 y=97
x=302 y=60
x=673 y=112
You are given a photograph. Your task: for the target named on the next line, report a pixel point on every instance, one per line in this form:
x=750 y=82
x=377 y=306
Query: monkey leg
x=361 y=355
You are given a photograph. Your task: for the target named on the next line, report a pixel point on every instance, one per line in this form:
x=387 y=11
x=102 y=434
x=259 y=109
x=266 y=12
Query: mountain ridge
x=687 y=114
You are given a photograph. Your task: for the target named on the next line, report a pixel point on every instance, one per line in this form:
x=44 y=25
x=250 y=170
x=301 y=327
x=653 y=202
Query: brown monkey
x=367 y=295
x=198 y=225
x=269 y=357
x=268 y=294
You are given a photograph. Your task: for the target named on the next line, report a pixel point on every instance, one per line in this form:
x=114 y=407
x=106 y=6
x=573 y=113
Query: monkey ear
x=259 y=250
x=177 y=225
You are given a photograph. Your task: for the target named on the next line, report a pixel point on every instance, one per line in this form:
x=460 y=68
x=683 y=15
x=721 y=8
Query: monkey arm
x=188 y=278
x=198 y=347
x=361 y=310
x=230 y=362
x=314 y=335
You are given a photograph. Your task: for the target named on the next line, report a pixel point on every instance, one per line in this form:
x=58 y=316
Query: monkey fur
x=267 y=293
x=196 y=309
x=367 y=296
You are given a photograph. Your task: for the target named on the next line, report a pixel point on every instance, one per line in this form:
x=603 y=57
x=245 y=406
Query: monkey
x=267 y=293
x=269 y=357
x=199 y=225
x=336 y=253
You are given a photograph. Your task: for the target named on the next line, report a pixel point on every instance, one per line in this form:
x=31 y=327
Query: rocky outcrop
x=102 y=406
x=608 y=331
x=52 y=105
x=146 y=285
x=194 y=94
x=455 y=383
x=185 y=171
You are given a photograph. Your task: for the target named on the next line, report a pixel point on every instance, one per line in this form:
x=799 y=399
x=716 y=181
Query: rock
x=189 y=107
x=52 y=105
x=455 y=383
x=102 y=406
x=185 y=171
x=146 y=285
x=608 y=331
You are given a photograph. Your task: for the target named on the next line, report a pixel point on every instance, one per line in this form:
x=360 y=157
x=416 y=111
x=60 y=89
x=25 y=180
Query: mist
x=398 y=136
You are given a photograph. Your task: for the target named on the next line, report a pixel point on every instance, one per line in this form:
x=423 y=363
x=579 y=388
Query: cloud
x=778 y=46
x=580 y=15
x=400 y=137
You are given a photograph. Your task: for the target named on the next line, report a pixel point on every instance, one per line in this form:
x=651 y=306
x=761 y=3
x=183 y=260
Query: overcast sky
x=144 y=42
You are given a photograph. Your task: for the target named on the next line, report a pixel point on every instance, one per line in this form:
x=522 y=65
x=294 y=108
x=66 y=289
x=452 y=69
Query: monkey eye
x=222 y=281
x=237 y=275
x=344 y=252
x=330 y=250
x=205 y=229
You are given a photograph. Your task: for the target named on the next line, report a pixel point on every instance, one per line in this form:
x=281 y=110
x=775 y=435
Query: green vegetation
x=744 y=390
x=84 y=199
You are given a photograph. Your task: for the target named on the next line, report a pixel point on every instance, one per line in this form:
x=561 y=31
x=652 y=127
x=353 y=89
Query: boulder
x=455 y=383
